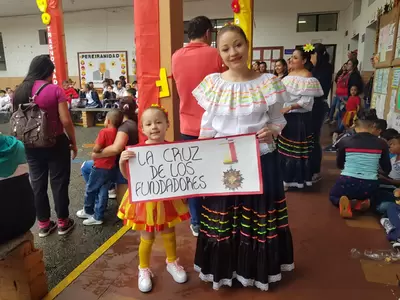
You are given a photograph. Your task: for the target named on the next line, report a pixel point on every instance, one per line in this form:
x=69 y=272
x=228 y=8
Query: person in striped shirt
x=359 y=156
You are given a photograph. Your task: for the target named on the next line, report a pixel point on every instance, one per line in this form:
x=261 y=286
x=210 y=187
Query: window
x=3 y=66
x=356 y=8
x=269 y=55
x=43 y=37
x=217 y=24
x=317 y=22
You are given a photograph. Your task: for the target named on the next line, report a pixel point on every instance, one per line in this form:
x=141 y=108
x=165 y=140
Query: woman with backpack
x=52 y=158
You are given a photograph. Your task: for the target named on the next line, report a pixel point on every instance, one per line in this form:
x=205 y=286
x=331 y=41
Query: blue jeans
x=393 y=213
x=96 y=194
x=353 y=188
x=194 y=203
x=86 y=168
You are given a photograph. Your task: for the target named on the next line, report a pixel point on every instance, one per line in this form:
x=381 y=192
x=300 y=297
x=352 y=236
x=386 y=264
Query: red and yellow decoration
x=235 y=6
x=308 y=48
x=163 y=84
x=243 y=15
x=52 y=16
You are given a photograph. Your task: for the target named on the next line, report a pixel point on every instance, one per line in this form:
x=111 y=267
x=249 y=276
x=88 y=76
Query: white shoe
x=92 y=221
x=82 y=215
x=316 y=177
x=177 y=272
x=195 y=229
x=144 y=281
x=385 y=222
x=112 y=194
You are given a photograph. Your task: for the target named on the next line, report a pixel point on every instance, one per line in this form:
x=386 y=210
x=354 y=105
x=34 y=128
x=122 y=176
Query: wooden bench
x=22 y=270
x=88 y=115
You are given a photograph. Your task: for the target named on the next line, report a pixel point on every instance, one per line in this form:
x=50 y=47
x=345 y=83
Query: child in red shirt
x=69 y=91
x=100 y=178
x=352 y=105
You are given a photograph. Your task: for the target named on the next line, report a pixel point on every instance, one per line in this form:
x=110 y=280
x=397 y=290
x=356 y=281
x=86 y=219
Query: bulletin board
x=388 y=30
x=396 y=49
x=393 y=102
x=97 y=66
x=381 y=91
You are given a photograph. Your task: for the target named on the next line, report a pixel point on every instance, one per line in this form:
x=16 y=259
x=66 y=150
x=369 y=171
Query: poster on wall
x=181 y=170
x=97 y=66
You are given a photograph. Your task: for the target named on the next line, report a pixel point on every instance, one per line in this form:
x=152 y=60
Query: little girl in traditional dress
x=296 y=140
x=151 y=217
x=244 y=237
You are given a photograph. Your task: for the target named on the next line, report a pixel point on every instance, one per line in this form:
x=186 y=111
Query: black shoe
x=68 y=226
x=46 y=231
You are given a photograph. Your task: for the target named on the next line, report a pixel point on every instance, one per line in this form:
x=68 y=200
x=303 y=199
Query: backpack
x=29 y=124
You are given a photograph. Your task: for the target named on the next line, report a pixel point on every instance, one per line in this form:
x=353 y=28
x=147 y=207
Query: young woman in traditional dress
x=245 y=237
x=296 y=141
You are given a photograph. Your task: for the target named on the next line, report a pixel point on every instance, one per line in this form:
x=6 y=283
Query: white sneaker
x=112 y=194
x=82 y=215
x=92 y=221
x=195 y=229
x=335 y=137
x=177 y=272
x=385 y=222
x=316 y=177
x=144 y=281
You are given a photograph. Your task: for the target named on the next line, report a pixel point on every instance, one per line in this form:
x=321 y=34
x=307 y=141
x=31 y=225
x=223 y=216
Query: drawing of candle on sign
x=230 y=157
x=231 y=178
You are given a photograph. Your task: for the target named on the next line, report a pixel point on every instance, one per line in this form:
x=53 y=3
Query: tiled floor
x=324 y=268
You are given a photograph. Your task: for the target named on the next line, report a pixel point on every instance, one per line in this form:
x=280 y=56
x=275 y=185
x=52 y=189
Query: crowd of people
x=243 y=237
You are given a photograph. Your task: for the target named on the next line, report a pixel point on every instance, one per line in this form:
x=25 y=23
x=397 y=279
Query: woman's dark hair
x=354 y=62
x=128 y=107
x=322 y=58
x=307 y=56
x=285 y=66
x=41 y=68
x=198 y=27
x=234 y=28
x=366 y=117
x=88 y=87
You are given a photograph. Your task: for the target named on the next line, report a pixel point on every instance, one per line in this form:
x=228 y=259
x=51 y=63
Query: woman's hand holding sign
x=125 y=157
x=265 y=135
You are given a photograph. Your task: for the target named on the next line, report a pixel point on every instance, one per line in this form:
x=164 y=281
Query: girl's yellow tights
x=145 y=246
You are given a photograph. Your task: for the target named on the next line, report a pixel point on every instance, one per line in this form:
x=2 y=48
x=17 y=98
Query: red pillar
x=53 y=17
x=158 y=25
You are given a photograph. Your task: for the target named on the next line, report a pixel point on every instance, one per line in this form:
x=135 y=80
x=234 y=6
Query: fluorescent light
x=302 y=22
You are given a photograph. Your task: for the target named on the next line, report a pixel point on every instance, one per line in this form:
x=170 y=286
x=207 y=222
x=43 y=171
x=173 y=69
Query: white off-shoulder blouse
x=233 y=108
x=302 y=90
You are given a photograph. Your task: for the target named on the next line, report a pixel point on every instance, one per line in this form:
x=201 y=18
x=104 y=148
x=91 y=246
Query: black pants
x=319 y=112
x=55 y=161
x=17 y=214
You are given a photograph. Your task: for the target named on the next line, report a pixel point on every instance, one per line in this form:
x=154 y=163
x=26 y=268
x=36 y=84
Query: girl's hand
x=126 y=155
x=285 y=110
x=265 y=135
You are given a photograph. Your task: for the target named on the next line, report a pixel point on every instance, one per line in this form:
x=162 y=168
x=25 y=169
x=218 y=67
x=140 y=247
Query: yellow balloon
x=42 y=5
x=46 y=18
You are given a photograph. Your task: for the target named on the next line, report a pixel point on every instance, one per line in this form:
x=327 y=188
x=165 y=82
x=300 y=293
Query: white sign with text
x=212 y=167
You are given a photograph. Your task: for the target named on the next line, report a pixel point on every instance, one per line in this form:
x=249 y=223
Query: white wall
x=360 y=26
x=96 y=30
x=112 y=29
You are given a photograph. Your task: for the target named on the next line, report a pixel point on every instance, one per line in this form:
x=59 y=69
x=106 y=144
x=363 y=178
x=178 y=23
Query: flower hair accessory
x=308 y=48
x=160 y=108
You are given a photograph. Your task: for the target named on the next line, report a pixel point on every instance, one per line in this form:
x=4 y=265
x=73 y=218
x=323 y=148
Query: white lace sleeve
x=206 y=129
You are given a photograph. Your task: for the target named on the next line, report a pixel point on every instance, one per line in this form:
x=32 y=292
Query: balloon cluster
x=42 y=5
